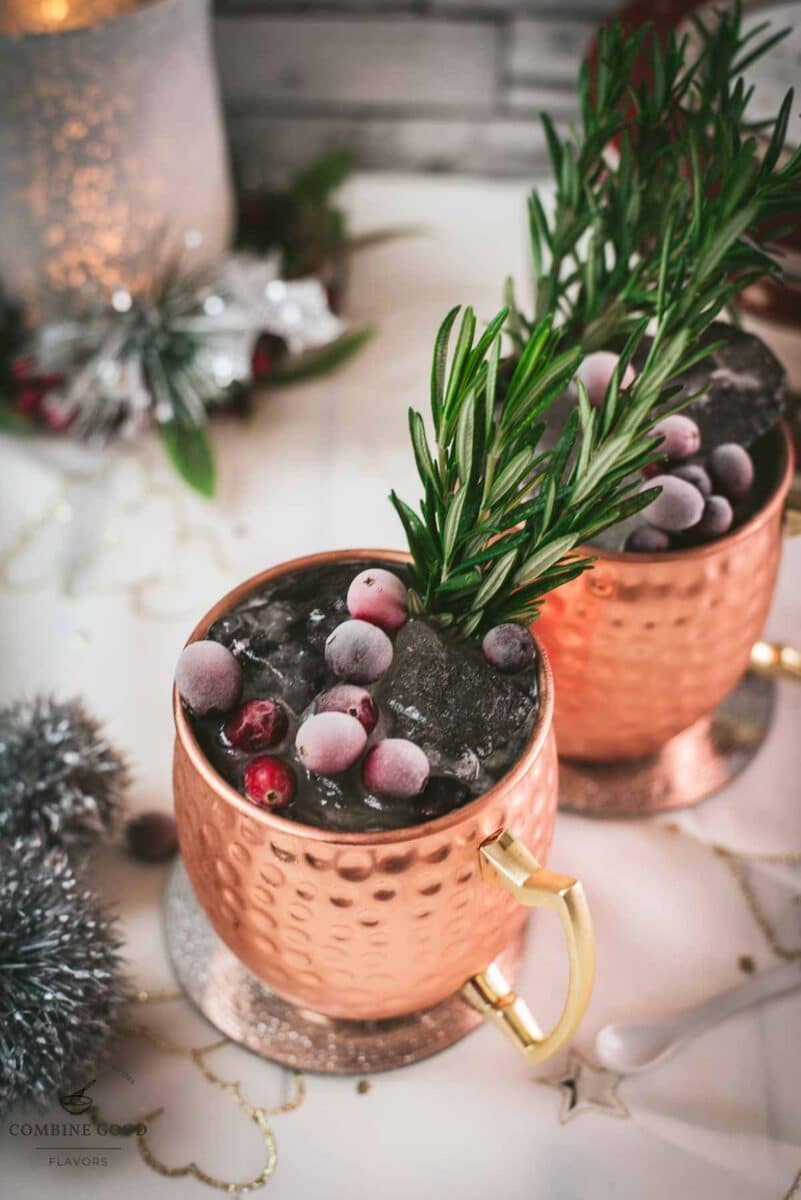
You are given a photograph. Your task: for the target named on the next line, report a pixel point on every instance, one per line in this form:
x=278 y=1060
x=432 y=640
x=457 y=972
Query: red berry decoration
x=257 y=725
x=330 y=742
x=508 y=648
x=358 y=651
x=355 y=701
x=379 y=597
x=269 y=782
x=395 y=768
x=208 y=677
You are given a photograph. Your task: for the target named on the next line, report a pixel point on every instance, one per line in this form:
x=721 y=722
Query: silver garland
x=61 y=984
x=61 y=783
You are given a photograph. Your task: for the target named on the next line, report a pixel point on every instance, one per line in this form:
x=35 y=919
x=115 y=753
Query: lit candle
x=112 y=157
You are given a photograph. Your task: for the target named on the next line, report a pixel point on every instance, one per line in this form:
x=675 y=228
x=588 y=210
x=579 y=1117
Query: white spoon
x=636 y=1046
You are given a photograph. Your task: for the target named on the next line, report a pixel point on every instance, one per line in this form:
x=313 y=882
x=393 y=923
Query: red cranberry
x=355 y=701
x=269 y=782
x=257 y=725
x=152 y=837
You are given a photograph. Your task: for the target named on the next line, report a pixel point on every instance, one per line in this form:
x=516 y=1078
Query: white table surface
x=104 y=567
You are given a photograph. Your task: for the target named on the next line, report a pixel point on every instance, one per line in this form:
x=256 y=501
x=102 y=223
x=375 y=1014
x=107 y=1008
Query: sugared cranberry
x=355 y=701
x=358 y=651
x=395 y=768
x=330 y=742
x=257 y=725
x=732 y=470
x=208 y=677
x=678 y=506
x=695 y=474
x=647 y=539
x=717 y=519
x=152 y=837
x=679 y=437
x=596 y=371
x=508 y=648
x=269 y=782
x=379 y=597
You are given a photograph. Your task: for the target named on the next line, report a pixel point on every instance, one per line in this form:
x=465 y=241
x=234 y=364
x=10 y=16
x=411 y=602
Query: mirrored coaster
x=248 y=1012
x=693 y=765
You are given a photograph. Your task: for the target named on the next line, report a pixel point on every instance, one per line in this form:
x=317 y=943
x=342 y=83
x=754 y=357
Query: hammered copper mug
x=644 y=645
x=369 y=926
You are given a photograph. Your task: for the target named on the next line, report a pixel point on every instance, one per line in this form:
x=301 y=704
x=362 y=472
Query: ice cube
x=448 y=699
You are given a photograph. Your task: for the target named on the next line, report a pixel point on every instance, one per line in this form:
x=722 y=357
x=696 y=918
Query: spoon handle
x=765 y=986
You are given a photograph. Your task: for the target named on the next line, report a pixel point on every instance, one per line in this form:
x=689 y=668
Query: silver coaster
x=245 y=1010
x=693 y=765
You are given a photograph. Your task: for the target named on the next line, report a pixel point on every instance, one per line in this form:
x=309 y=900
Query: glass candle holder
x=112 y=156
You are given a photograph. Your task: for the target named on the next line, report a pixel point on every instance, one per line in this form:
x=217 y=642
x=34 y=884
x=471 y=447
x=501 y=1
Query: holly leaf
x=189 y=450
x=12 y=421
x=320 y=362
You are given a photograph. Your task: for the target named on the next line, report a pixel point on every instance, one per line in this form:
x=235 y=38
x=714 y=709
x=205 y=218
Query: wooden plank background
x=421 y=85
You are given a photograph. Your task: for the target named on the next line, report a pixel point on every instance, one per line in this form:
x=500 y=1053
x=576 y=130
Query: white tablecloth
x=106 y=564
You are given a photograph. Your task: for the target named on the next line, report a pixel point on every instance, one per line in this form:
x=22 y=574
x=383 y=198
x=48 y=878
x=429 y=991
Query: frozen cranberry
x=678 y=506
x=508 y=647
x=732 y=470
x=596 y=371
x=717 y=519
x=208 y=677
x=695 y=474
x=330 y=742
x=646 y=539
x=152 y=837
x=379 y=597
x=679 y=437
x=257 y=725
x=395 y=768
x=347 y=698
x=358 y=651
x=269 y=782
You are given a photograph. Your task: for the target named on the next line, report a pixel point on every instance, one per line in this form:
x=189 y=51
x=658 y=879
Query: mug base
x=244 y=1008
x=692 y=766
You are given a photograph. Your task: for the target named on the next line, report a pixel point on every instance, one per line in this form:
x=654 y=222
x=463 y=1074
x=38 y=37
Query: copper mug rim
x=272 y=821
x=760 y=517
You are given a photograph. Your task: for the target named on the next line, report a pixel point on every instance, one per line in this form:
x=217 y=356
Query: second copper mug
x=644 y=645
x=369 y=926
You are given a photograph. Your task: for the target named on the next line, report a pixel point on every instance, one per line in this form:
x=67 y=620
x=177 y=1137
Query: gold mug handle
x=773 y=658
x=506 y=862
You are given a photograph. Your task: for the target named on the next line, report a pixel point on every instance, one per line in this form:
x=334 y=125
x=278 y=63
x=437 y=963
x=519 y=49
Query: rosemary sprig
x=660 y=241
x=501 y=520
x=685 y=152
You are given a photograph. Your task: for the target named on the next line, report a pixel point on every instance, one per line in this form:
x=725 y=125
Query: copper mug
x=369 y=926
x=644 y=645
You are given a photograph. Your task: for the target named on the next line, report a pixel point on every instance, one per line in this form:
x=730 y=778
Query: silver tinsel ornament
x=61 y=984
x=171 y=356
x=61 y=783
